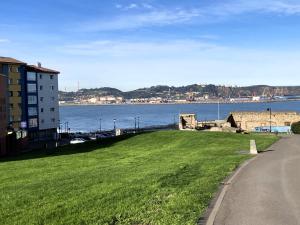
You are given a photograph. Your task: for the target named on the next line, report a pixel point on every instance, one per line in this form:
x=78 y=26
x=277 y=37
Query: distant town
x=196 y=93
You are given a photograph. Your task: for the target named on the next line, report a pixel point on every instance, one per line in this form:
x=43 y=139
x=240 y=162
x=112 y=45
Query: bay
x=86 y=118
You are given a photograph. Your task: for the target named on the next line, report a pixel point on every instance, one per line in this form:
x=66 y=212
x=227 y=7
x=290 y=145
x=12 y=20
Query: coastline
x=180 y=103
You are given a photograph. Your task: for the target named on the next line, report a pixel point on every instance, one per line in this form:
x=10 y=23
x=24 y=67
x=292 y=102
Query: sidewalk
x=267 y=191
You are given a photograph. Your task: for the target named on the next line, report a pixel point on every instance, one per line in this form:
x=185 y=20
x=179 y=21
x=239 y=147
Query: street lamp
x=114 y=124
x=100 y=125
x=270 y=110
x=138 y=122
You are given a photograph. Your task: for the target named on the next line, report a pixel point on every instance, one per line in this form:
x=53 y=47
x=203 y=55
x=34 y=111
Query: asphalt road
x=267 y=191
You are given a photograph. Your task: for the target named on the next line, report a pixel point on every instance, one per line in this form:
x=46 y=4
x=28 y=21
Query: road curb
x=212 y=212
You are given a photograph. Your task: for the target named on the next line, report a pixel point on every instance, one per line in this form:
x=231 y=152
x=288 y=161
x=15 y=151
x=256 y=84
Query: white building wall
x=48 y=101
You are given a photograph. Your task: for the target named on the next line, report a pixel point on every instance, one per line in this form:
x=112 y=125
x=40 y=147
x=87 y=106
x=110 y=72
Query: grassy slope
x=157 y=178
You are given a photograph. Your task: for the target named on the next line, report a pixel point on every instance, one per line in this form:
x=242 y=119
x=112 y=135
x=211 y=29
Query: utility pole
x=138 y=122
x=135 y=124
x=218 y=109
x=270 y=110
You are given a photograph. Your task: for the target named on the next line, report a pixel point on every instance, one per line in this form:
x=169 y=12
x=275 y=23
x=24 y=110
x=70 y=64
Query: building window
x=32 y=100
x=11 y=94
x=41 y=99
x=53 y=120
x=287 y=124
x=19 y=93
x=52 y=98
x=42 y=109
x=11 y=107
x=42 y=121
x=32 y=111
x=10 y=81
x=33 y=123
x=41 y=76
x=52 y=109
x=51 y=77
x=19 y=81
x=31 y=76
x=31 y=88
x=41 y=87
x=52 y=87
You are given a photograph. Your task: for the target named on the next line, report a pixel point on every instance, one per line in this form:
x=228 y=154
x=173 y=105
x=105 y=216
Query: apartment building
x=15 y=72
x=3 y=113
x=42 y=97
x=28 y=105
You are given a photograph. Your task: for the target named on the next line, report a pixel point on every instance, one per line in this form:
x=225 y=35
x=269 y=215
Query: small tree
x=296 y=128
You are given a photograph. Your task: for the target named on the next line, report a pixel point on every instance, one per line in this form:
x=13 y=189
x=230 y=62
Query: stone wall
x=249 y=120
x=187 y=121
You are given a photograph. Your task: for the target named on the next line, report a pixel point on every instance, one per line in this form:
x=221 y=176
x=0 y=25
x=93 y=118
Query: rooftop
x=10 y=60
x=41 y=69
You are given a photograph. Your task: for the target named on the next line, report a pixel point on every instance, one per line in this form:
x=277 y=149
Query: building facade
x=15 y=72
x=256 y=121
x=3 y=113
x=42 y=97
x=28 y=105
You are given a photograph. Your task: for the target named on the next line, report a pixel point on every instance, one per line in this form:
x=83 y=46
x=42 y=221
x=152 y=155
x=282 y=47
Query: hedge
x=296 y=128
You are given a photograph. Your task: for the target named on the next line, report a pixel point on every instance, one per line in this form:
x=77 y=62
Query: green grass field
x=166 y=177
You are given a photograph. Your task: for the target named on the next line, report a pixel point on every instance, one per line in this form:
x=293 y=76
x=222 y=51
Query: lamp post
x=138 y=122
x=114 y=124
x=134 y=124
x=100 y=124
x=218 y=109
x=270 y=110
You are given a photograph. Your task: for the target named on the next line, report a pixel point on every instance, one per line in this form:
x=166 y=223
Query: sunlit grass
x=164 y=177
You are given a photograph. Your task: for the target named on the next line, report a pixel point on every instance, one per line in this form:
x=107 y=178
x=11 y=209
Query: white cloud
x=153 y=18
x=105 y=48
x=134 y=6
x=287 y=7
x=4 y=41
x=180 y=15
x=118 y=6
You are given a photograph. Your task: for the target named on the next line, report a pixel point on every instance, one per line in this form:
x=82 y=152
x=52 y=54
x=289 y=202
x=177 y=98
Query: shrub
x=296 y=128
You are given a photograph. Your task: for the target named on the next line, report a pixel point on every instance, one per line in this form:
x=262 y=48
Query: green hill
x=164 y=177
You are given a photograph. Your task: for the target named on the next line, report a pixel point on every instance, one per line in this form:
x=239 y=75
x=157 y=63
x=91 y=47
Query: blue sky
x=132 y=44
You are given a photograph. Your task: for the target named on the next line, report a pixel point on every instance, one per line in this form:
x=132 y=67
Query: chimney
x=39 y=65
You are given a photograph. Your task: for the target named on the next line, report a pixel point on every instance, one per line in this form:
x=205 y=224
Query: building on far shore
x=3 y=113
x=262 y=121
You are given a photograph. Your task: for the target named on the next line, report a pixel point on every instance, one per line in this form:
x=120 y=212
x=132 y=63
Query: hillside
x=164 y=177
x=183 y=91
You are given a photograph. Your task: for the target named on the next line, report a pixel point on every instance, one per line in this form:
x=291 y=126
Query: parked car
x=77 y=141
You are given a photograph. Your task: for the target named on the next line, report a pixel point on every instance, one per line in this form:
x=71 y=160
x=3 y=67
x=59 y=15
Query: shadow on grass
x=69 y=149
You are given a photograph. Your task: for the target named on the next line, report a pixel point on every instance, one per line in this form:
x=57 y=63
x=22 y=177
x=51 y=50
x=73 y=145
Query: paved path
x=267 y=191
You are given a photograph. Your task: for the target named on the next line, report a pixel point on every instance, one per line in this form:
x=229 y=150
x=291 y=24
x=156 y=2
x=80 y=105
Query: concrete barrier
x=253 y=148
